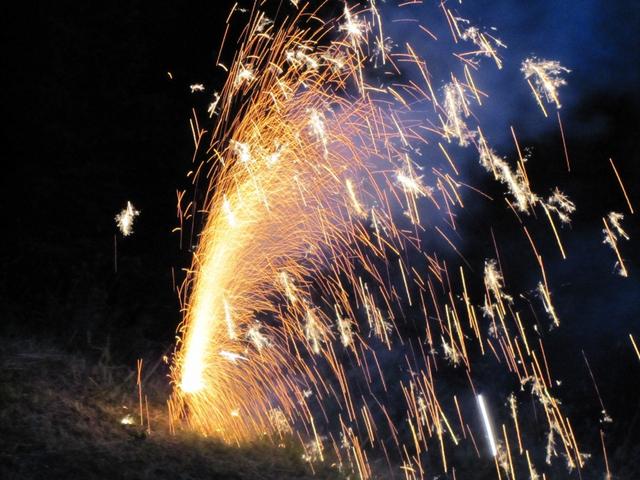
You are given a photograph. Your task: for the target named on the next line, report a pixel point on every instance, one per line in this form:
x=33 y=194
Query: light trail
x=487 y=425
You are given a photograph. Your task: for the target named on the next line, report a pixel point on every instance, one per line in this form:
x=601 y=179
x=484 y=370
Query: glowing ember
x=128 y=419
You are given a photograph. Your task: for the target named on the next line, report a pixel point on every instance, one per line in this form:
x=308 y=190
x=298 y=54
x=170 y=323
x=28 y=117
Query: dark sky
x=93 y=120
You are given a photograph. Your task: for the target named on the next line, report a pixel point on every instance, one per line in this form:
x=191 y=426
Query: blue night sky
x=596 y=40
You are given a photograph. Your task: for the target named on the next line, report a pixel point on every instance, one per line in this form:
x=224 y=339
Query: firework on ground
x=306 y=263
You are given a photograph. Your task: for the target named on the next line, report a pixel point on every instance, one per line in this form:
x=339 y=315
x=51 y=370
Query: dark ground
x=60 y=417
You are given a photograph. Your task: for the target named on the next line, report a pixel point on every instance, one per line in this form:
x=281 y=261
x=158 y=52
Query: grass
x=60 y=418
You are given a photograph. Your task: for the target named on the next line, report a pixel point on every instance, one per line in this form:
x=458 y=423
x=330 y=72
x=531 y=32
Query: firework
x=124 y=219
x=306 y=263
x=547 y=79
x=613 y=232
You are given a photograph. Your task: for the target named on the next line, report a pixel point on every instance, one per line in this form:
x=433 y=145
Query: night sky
x=94 y=120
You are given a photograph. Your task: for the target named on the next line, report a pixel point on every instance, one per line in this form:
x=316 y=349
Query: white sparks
x=244 y=74
x=494 y=280
x=346 y=332
x=354 y=199
x=612 y=235
x=313 y=331
x=456 y=109
x=299 y=57
x=279 y=421
x=273 y=157
x=352 y=25
x=242 y=151
x=124 y=219
x=232 y=357
x=263 y=23
x=494 y=284
x=256 y=337
x=382 y=49
x=289 y=287
x=412 y=184
x=231 y=332
x=547 y=79
x=485 y=42
x=213 y=106
x=451 y=353
x=558 y=202
x=231 y=218
x=550 y=449
x=615 y=219
x=316 y=122
x=515 y=181
x=545 y=296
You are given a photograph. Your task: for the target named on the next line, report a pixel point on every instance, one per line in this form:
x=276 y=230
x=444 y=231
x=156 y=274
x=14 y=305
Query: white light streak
x=487 y=426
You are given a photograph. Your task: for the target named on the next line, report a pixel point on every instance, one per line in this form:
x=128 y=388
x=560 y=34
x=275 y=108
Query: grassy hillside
x=60 y=418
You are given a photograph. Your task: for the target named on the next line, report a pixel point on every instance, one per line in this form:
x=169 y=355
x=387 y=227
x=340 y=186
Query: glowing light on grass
x=127 y=420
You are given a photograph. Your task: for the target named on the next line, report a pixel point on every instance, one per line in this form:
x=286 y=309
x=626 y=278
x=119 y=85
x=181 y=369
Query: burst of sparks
x=352 y=25
x=213 y=106
x=547 y=77
x=244 y=75
x=486 y=43
x=124 y=219
x=456 y=108
x=613 y=232
x=302 y=269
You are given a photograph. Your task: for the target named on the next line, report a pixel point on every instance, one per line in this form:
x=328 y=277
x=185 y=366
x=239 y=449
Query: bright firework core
x=315 y=216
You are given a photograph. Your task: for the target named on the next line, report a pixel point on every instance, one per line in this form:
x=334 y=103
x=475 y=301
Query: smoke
x=587 y=37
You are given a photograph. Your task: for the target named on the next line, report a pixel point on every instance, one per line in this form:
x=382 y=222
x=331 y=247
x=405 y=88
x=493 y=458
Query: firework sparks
x=613 y=232
x=547 y=79
x=124 y=219
x=352 y=25
x=516 y=182
x=303 y=271
x=485 y=42
x=456 y=108
x=487 y=426
x=213 y=106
